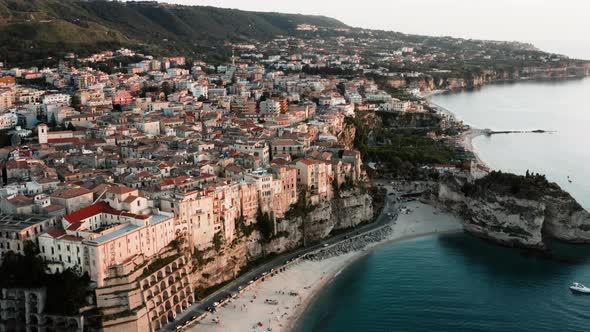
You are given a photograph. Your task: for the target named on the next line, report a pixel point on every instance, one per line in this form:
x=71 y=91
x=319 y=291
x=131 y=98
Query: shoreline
x=465 y=139
x=296 y=318
x=309 y=277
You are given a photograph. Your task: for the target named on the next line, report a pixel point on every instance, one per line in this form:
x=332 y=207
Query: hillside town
x=105 y=173
x=135 y=172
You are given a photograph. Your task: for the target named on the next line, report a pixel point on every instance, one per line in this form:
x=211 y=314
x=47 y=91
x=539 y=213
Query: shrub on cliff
x=530 y=186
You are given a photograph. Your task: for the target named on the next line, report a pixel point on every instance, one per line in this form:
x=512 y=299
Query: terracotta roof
x=63 y=140
x=53 y=208
x=20 y=200
x=306 y=161
x=70 y=193
x=56 y=232
x=120 y=190
x=101 y=207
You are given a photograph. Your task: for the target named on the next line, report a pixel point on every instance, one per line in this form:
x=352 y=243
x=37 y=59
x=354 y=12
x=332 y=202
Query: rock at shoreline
x=514 y=210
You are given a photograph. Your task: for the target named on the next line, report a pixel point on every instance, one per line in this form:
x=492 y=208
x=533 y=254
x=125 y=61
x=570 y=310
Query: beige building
x=72 y=199
x=316 y=177
x=146 y=298
x=15 y=230
x=194 y=216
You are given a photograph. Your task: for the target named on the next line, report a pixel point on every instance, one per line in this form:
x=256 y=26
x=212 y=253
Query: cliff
x=213 y=267
x=514 y=210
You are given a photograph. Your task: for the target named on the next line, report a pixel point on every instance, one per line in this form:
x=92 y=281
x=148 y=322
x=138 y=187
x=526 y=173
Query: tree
x=167 y=89
x=53 y=121
x=15 y=139
x=71 y=127
x=264 y=224
x=217 y=241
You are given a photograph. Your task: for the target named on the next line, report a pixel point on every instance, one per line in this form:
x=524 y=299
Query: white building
x=8 y=121
x=97 y=237
x=58 y=98
x=149 y=127
x=259 y=149
x=270 y=106
x=199 y=90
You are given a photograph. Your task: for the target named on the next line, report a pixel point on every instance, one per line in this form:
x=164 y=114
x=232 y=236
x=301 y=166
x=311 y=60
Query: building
x=23 y=309
x=6 y=99
x=194 y=216
x=128 y=199
x=315 y=177
x=72 y=199
x=270 y=107
x=287 y=146
x=8 y=121
x=133 y=300
x=16 y=204
x=97 y=237
x=149 y=127
x=58 y=98
x=259 y=149
x=15 y=230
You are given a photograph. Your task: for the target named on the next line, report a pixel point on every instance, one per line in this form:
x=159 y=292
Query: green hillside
x=40 y=28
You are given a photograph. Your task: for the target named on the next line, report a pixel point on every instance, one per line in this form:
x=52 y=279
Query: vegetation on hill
x=400 y=145
x=43 y=28
x=530 y=186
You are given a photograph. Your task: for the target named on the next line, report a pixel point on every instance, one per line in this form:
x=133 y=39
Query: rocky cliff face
x=516 y=221
x=349 y=210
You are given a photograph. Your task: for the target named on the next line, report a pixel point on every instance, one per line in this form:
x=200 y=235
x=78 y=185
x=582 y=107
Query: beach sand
x=307 y=278
x=466 y=141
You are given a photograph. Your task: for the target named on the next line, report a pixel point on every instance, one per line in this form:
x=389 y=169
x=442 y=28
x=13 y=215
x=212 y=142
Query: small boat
x=579 y=288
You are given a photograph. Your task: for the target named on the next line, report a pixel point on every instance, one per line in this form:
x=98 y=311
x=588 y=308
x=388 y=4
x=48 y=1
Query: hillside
x=47 y=27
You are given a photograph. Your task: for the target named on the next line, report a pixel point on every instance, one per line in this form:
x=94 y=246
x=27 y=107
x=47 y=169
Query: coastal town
x=146 y=192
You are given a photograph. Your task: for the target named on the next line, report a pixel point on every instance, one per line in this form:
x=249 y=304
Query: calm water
x=459 y=283
x=453 y=283
x=561 y=106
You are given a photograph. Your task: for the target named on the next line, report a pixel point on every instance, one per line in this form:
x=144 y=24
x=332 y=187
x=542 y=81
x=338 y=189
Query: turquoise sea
x=459 y=283
x=454 y=283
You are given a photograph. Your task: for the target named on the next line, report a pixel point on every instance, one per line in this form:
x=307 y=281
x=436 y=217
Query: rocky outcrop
x=346 y=211
x=566 y=220
x=512 y=219
x=350 y=209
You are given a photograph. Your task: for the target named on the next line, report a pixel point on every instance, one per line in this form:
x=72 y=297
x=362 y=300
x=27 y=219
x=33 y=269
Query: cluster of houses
x=111 y=168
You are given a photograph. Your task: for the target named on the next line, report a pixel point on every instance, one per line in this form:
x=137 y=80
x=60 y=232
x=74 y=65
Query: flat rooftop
x=15 y=222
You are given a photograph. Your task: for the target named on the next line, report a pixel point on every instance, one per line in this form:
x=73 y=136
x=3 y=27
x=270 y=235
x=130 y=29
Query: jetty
x=490 y=132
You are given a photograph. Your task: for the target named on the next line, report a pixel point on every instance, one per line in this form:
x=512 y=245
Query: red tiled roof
x=56 y=232
x=70 y=193
x=101 y=207
x=306 y=161
x=120 y=190
x=63 y=140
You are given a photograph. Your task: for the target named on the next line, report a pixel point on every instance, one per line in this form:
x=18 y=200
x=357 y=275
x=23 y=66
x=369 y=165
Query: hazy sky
x=558 y=26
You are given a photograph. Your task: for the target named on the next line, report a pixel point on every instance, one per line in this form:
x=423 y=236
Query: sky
x=555 y=26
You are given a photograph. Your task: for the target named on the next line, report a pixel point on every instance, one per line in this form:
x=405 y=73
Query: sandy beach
x=291 y=291
x=466 y=141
